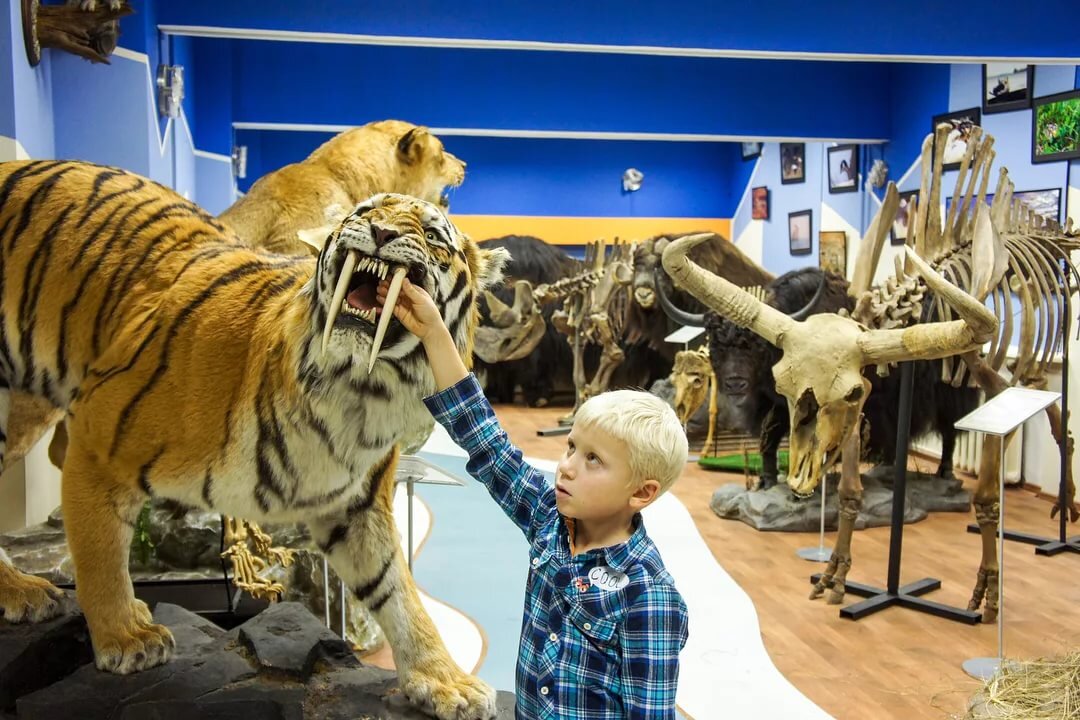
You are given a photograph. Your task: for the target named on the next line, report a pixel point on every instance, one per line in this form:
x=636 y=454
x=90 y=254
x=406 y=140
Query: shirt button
x=587 y=626
x=553 y=637
x=544 y=691
x=536 y=562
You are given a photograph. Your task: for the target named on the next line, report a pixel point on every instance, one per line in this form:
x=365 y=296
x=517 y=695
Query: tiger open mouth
x=355 y=295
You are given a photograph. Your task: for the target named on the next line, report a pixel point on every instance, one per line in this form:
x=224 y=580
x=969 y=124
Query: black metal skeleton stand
x=908 y=595
x=1046 y=545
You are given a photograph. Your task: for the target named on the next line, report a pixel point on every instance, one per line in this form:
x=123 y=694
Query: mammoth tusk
x=387 y=312
x=805 y=311
x=339 y=295
x=729 y=300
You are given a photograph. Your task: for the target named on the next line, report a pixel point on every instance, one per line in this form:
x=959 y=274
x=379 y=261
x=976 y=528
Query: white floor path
x=725 y=669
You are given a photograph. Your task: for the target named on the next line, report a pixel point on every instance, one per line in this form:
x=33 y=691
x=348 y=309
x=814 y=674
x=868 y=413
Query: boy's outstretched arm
x=460 y=407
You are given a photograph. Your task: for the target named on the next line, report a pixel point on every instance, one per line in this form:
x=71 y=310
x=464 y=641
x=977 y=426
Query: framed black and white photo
x=898 y=234
x=751 y=150
x=792 y=163
x=963 y=122
x=800 y=232
x=1007 y=86
x=843 y=168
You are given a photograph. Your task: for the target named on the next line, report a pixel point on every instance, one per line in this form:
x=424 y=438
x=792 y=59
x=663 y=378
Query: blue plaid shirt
x=588 y=651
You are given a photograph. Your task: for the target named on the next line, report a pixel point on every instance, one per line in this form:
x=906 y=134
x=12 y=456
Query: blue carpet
x=476 y=560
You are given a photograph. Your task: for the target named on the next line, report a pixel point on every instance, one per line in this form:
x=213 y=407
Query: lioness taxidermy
x=385 y=156
x=196 y=368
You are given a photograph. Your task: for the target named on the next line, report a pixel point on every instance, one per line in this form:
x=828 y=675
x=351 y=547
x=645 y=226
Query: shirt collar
x=622 y=555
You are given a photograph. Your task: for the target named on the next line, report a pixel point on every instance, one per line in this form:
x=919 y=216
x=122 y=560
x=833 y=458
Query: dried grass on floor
x=1043 y=689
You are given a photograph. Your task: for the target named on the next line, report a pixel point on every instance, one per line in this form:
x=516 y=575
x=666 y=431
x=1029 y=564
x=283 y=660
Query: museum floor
x=894 y=664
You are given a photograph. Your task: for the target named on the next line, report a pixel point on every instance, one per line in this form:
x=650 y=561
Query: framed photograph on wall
x=792 y=163
x=1055 y=127
x=843 y=168
x=759 y=203
x=898 y=234
x=962 y=121
x=750 y=150
x=1044 y=202
x=832 y=251
x=1007 y=86
x=800 y=232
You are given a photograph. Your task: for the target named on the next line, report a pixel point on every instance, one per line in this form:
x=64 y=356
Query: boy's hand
x=414 y=308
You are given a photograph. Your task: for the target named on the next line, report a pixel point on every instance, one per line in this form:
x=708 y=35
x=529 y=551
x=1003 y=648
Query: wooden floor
x=897 y=663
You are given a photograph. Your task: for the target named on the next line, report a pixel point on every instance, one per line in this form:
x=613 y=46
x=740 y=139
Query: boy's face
x=592 y=480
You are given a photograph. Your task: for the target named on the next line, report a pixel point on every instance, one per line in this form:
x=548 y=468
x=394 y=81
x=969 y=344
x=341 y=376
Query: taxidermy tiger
x=384 y=156
x=196 y=368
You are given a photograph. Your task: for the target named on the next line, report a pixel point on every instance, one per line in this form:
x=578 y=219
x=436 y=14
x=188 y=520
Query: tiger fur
x=190 y=367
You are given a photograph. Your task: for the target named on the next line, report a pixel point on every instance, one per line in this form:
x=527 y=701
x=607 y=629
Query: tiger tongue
x=361 y=298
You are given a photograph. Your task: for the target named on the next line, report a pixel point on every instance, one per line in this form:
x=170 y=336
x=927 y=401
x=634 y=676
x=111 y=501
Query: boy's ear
x=645 y=495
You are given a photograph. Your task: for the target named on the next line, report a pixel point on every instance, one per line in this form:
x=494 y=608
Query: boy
x=603 y=622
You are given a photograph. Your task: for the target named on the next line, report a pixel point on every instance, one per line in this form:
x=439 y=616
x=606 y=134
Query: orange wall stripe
x=582 y=230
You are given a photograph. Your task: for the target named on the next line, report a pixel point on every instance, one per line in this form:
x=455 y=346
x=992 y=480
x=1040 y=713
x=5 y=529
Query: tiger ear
x=489 y=266
x=410 y=147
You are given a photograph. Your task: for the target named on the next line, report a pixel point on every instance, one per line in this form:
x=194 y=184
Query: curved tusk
x=339 y=294
x=387 y=313
x=715 y=292
x=806 y=310
x=677 y=314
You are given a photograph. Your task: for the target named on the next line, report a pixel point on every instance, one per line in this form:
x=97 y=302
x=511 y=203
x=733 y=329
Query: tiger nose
x=382 y=235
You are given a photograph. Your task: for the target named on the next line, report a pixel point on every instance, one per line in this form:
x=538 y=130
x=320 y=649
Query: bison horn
x=932 y=340
x=808 y=309
x=677 y=314
x=729 y=300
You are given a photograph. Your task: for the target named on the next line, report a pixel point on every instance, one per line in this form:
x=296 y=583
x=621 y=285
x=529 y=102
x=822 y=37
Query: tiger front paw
x=139 y=646
x=27 y=598
x=450 y=695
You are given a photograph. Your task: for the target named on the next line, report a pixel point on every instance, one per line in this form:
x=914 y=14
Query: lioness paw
x=457 y=696
x=26 y=598
x=123 y=653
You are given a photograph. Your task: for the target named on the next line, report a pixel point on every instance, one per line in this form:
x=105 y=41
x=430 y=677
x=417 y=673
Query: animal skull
x=514 y=331
x=820 y=372
x=690 y=376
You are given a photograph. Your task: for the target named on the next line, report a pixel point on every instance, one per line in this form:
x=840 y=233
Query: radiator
x=968 y=452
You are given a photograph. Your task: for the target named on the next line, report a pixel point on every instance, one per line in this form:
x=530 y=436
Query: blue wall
x=515 y=176
x=279 y=82
x=919 y=27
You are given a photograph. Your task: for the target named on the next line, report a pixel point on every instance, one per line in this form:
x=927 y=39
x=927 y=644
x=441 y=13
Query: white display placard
x=1007 y=411
x=684 y=334
x=421 y=471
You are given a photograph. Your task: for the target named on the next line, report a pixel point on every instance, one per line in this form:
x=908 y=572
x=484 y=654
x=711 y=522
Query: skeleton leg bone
x=850 y=495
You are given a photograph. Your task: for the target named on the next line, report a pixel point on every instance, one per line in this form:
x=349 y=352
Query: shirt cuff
x=447 y=404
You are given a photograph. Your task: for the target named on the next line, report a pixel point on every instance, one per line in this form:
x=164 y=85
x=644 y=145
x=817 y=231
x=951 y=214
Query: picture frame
x=1007 y=86
x=1045 y=202
x=1055 y=127
x=901 y=226
x=832 y=251
x=956 y=145
x=843 y=168
x=800 y=232
x=751 y=150
x=792 y=163
x=759 y=203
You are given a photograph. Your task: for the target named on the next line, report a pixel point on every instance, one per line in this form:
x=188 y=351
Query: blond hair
x=649 y=428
